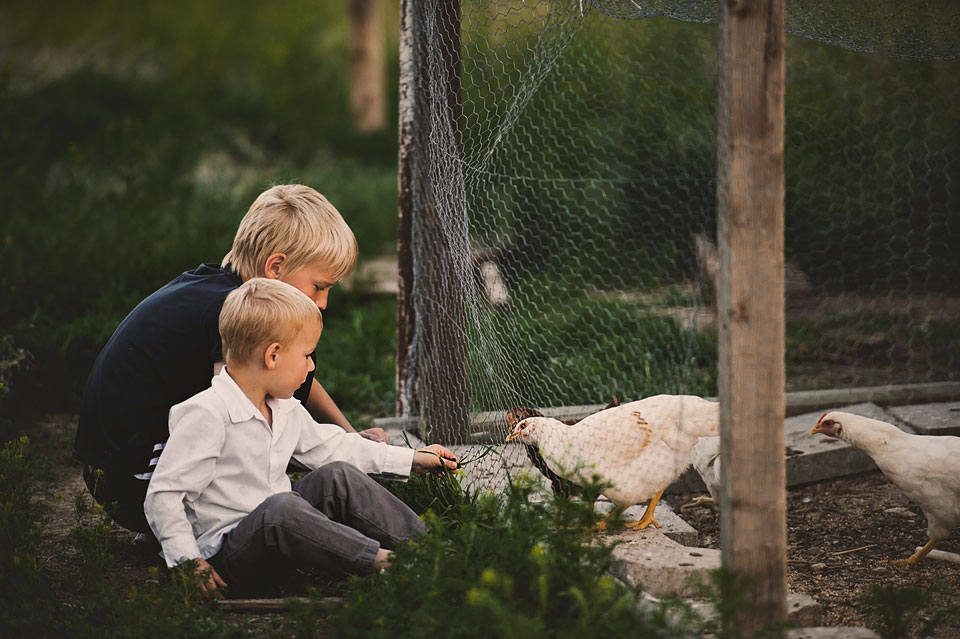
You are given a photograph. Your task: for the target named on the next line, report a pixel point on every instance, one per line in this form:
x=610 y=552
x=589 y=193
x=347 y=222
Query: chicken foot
x=701 y=501
x=917 y=556
x=647 y=518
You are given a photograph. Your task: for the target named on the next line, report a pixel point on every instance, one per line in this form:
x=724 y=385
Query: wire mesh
x=565 y=213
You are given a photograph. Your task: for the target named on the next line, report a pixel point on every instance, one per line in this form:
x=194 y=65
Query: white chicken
x=925 y=467
x=705 y=457
x=638 y=448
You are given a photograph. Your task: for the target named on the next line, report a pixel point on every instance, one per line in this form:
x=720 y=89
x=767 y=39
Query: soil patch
x=842 y=535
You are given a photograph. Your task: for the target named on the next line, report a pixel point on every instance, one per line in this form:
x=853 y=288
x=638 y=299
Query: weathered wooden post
x=432 y=231
x=750 y=307
x=368 y=90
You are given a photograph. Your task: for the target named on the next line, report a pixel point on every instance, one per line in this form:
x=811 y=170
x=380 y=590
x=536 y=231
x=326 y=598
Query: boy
x=220 y=494
x=168 y=348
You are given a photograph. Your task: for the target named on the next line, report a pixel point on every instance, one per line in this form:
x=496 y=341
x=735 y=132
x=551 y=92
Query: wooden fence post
x=433 y=248
x=368 y=90
x=750 y=191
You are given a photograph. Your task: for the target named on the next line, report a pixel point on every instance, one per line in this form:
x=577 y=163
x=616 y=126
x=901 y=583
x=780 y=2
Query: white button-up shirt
x=223 y=460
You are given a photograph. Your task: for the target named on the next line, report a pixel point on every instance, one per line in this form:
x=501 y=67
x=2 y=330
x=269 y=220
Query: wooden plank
x=750 y=195
x=269 y=605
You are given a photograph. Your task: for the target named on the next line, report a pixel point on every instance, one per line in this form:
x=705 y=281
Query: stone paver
x=661 y=565
x=671 y=524
x=930 y=419
x=802 y=609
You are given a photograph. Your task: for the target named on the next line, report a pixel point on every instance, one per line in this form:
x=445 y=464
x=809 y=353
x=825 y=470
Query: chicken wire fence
x=562 y=188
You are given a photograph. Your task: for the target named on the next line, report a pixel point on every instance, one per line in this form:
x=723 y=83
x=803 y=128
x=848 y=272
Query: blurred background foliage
x=135 y=136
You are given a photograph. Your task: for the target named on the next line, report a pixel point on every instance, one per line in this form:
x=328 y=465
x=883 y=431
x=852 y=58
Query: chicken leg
x=603 y=524
x=647 y=518
x=917 y=556
x=701 y=501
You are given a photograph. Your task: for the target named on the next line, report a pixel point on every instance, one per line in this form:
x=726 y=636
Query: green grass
x=574 y=351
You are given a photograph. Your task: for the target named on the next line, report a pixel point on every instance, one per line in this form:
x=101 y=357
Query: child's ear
x=271 y=355
x=271 y=268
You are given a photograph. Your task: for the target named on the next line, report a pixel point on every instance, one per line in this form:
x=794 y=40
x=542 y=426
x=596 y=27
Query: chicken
x=558 y=484
x=638 y=448
x=924 y=467
x=705 y=456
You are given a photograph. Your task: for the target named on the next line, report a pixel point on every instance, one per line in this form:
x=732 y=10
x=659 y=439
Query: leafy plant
x=897 y=611
x=515 y=565
x=25 y=598
x=442 y=494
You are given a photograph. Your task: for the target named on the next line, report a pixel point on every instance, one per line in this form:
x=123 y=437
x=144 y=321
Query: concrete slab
x=400 y=437
x=802 y=609
x=661 y=565
x=930 y=419
x=671 y=524
x=832 y=632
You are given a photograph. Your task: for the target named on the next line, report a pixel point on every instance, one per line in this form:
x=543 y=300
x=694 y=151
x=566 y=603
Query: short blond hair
x=299 y=222
x=263 y=311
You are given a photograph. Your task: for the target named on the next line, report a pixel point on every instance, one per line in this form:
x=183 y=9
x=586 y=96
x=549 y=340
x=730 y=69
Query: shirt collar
x=239 y=406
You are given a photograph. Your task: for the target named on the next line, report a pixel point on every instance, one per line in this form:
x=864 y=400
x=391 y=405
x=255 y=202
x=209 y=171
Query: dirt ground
x=842 y=536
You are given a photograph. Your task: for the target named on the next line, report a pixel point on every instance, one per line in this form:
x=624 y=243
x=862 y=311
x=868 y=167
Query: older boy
x=168 y=348
x=219 y=493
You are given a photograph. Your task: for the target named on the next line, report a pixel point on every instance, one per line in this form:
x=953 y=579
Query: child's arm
x=324 y=443
x=324 y=410
x=186 y=467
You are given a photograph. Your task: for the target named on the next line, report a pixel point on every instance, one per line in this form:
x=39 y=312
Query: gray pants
x=335 y=522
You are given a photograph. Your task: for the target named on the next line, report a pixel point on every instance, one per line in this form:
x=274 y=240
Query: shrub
x=513 y=566
x=25 y=599
x=896 y=611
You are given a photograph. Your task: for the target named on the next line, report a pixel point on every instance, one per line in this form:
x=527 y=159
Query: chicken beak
x=512 y=436
x=816 y=429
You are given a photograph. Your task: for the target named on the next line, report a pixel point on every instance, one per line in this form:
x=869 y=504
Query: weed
x=514 y=565
x=442 y=494
x=25 y=596
x=897 y=611
x=94 y=539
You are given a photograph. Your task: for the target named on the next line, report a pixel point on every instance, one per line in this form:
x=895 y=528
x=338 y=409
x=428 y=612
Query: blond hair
x=263 y=311
x=295 y=220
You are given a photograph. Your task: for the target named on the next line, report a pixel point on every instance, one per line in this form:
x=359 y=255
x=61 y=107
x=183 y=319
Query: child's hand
x=207 y=577
x=434 y=459
x=376 y=434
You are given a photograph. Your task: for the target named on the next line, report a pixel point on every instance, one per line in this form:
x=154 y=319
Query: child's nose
x=320 y=299
x=310 y=365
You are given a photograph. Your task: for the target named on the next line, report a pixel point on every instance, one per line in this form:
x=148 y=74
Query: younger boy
x=168 y=347
x=219 y=493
